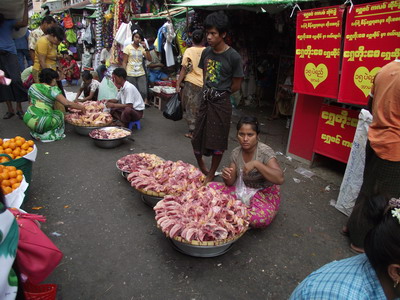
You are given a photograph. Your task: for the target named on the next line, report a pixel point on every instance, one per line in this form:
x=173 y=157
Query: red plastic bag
x=37 y=256
x=68 y=22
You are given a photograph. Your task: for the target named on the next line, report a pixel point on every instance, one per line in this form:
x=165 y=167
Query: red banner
x=335 y=132
x=372 y=40
x=318 y=39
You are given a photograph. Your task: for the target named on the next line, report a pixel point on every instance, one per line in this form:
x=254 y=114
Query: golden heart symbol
x=363 y=78
x=316 y=74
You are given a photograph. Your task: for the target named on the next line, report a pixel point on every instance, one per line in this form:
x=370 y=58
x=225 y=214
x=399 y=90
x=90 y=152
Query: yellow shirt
x=46 y=48
x=134 y=67
x=192 y=57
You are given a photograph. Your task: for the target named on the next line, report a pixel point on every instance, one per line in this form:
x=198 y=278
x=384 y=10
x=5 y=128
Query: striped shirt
x=346 y=279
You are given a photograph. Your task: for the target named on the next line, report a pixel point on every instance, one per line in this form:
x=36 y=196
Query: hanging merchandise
x=166 y=35
x=124 y=33
x=70 y=35
x=68 y=22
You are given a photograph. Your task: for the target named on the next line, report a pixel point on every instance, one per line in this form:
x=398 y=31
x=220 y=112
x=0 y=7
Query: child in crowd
x=69 y=67
x=89 y=87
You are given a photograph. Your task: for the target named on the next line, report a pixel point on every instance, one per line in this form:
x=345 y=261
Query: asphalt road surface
x=114 y=250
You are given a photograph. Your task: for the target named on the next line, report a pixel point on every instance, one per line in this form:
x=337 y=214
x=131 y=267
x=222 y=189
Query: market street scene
x=173 y=150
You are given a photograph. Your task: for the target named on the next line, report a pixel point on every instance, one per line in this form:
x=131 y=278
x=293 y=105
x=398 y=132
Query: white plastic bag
x=124 y=33
x=107 y=90
x=244 y=193
x=353 y=176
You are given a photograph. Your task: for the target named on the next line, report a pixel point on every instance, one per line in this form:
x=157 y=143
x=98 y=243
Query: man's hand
x=110 y=104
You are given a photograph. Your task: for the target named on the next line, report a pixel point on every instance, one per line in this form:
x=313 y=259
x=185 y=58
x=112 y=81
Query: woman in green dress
x=46 y=123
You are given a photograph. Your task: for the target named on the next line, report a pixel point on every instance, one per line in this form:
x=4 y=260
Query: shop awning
x=86 y=4
x=173 y=12
x=271 y=6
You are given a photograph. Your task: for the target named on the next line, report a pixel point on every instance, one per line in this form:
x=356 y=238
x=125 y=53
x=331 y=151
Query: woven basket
x=152 y=193
x=209 y=243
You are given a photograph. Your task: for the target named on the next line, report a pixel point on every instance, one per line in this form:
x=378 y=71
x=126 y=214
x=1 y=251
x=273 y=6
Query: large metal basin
x=150 y=200
x=84 y=130
x=110 y=143
x=202 y=251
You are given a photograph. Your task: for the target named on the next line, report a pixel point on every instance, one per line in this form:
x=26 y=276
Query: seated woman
x=374 y=275
x=69 y=67
x=45 y=123
x=261 y=171
x=89 y=87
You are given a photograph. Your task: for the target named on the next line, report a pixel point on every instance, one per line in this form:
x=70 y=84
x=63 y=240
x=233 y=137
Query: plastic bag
x=353 y=176
x=68 y=23
x=173 y=109
x=107 y=90
x=86 y=60
x=70 y=36
x=124 y=33
x=244 y=193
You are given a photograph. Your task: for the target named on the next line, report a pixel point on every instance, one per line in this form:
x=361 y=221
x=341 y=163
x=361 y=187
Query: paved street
x=113 y=249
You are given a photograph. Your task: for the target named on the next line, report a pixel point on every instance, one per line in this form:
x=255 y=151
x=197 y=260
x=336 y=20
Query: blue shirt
x=22 y=42
x=346 y=279
x=6 y=40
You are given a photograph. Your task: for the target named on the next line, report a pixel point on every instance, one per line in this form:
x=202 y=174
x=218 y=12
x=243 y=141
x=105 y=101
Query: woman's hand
x=82 y=108
x=227 y=173
x=250 y=166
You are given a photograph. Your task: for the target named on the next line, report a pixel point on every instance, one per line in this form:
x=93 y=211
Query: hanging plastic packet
x=244 y=193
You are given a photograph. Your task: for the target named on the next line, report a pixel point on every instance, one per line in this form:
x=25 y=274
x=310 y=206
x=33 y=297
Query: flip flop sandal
x=189 y=135
x=8 y=115
x=344 y=231
x=20 y=114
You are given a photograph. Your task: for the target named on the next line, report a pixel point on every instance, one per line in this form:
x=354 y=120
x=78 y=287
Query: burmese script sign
x=318 y=39
x=372 y=39
x=335 y=132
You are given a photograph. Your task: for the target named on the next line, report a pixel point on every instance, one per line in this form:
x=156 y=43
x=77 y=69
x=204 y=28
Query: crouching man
x=129 y=105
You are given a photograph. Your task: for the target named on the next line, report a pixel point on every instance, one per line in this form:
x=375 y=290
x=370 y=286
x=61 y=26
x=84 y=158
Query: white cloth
x=129 y=94
x=104 y=55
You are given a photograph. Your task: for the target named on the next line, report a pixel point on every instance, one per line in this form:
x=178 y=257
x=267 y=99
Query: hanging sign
x=318 y=40
x=335 y=132
x=372 y=39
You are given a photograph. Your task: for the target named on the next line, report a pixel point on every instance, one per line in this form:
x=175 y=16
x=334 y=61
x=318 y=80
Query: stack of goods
x=10 y=178
x=168 y=178
x=142 y=161
x=202 y=216
x=94 y=116
x=16 y=147
x=109 y=133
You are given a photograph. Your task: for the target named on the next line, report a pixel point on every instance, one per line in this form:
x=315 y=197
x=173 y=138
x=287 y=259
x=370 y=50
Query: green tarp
x=253 y=5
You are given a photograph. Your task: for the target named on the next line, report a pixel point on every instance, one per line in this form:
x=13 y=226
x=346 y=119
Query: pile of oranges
x=10 y=178
x=16 y=148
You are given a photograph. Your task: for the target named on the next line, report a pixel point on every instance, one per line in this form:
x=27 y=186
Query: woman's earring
x=396 y=283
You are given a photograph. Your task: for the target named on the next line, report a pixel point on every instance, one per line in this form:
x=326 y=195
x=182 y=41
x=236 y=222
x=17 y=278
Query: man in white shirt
x=129 y=105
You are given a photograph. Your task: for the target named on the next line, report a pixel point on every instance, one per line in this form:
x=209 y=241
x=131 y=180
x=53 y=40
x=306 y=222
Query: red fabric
x=370 y=42
x=317 y=61
x=71 y=73
x=304 y=128
x=335 y=133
